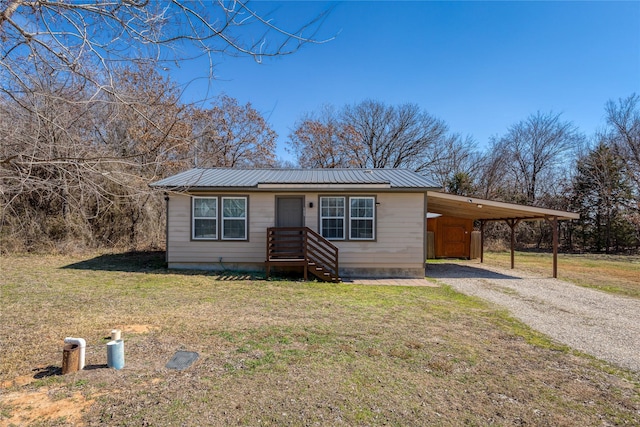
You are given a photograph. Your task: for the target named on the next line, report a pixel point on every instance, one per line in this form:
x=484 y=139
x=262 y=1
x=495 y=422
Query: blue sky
x=479 y=66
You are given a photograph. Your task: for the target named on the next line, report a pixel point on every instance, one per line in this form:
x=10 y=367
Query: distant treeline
x=89 y=119
x=75 y=165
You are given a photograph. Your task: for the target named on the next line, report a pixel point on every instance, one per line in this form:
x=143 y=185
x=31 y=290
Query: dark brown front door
x=289 y=211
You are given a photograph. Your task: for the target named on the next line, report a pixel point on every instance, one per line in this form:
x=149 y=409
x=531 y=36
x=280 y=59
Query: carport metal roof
x=474 y=208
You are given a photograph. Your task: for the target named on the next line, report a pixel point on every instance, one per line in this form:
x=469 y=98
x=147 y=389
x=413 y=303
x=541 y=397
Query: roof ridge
x=298 y=169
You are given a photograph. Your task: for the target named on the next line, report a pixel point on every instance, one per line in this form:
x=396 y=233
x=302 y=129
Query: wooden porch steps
x=321 y=273
x=301 y=246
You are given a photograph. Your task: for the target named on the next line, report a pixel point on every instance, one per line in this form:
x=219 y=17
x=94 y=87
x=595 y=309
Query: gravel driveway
x=603 y=325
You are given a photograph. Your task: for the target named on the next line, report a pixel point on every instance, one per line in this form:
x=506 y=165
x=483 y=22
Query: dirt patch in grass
x=43 y=406
x=287 y=353
x=17 y=381
x=138 y=329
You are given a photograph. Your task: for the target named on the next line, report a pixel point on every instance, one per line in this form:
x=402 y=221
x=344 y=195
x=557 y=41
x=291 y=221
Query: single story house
x=331 y=223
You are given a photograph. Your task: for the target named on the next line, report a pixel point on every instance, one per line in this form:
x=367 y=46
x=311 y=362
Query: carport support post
x=553 y=221
x=481 y=241
x=512 y=224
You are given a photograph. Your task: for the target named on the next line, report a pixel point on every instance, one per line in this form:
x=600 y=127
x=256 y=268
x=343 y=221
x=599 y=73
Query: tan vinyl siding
x=184 y=250
x=399 y=235
x=399 y=229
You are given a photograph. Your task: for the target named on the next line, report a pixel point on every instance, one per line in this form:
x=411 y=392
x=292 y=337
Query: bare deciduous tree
x=453 y=162
x=48 y=168
x=623 y=134
x=392 y=137
x=88 y=121
x=534 y=149
x=319 y=141
x=146 y=124
x=87 y=37
x=232 y=135
x=623 y=119
x=89 y=41
x=372 y=134
x=492 y=171
x=77 y=166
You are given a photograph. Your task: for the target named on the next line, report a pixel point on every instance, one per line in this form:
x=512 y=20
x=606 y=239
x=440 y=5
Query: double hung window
x=205 y=218
x=355 y=214
x=234 y=218
x=332 y=222
x=219 y=216
x=361 y=218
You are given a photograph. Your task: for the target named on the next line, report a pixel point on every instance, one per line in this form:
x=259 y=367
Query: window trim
x=245 y=218
x=347 y=216
x=372 y=219
x=194 y=218
x=343 y=217
x=219 y=218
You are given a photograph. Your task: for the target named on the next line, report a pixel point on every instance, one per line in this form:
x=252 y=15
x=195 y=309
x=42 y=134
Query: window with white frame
x=234 y=218
x=361 y=218
x=204 y=218
x=332 y=217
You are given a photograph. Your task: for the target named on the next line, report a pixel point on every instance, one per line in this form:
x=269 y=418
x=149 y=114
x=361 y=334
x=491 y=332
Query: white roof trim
x=270 y=186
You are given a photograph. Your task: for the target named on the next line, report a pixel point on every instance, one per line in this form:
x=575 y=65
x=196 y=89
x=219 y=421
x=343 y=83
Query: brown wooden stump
x=70 y=358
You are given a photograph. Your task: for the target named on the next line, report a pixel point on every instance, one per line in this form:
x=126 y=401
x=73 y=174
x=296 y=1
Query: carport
x=488 y=210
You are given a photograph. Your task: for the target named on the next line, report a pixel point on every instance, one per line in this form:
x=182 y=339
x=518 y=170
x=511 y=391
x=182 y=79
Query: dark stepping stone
x=182 y=360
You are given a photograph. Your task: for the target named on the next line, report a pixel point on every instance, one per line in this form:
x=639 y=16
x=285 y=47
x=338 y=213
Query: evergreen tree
x=600 y=193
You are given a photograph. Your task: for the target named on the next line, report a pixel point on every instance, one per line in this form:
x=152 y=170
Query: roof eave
x=294 y=187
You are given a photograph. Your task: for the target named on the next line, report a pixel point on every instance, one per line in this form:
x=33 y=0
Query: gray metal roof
x=252 y=178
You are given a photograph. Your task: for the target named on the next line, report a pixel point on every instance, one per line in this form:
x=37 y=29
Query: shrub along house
x=330 y=223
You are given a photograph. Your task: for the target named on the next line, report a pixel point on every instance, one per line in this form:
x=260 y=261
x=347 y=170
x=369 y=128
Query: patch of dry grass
x=618 y=274
x=285 y=353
